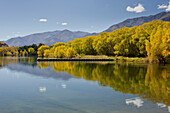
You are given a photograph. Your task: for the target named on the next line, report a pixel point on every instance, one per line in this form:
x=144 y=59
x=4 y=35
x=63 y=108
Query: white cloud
x=64 y=23
x=163 y=6
x=168 y=9
x=137 y=9
x=43 y=20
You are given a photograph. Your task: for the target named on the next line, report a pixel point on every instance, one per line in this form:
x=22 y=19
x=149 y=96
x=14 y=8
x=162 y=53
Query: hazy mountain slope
x=165 y=16
x=36 y=71
x=48 y=38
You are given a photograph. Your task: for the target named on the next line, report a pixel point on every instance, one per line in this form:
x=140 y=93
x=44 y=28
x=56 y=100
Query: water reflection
x=136 y=101
x=63 y=86
x=161 y=105
x=42 y=89
x=150 y=82
x=29 y=65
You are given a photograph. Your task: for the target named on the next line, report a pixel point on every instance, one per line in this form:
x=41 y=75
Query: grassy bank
x=117 y=59
x=123 y=59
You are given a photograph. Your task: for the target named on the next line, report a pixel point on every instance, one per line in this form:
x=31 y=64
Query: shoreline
x=76 y=59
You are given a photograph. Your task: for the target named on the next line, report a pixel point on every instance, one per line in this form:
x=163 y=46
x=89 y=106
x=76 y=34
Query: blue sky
x=23 y=17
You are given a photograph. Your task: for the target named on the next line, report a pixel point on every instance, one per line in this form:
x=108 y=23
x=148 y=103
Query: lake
x=28 y=86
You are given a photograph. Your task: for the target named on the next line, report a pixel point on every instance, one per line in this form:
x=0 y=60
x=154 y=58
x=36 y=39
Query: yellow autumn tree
x=46 y=53
x=31 y=51
x=70 y=52
x=59 y=51
x=158 y=48
x=42 y=49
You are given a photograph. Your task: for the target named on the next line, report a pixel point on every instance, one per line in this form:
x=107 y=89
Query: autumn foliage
x=150 y=39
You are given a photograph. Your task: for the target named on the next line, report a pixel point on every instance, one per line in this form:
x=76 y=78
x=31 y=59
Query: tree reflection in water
x=150 y=82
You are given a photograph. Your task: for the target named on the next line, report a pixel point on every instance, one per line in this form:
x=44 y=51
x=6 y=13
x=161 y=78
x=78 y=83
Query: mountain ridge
x=51 y=37
x=48 y=38
x=165 y=16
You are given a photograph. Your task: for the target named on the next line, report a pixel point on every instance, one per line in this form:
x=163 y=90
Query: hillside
x=48 y=38
x=165 y=16
x=2 y=44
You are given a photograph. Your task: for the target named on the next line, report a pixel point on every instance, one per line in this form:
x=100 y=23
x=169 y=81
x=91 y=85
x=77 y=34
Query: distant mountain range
x=50 y=38
x=165 y=16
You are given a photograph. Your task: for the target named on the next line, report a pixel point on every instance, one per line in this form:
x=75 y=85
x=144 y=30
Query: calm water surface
x=27 y=86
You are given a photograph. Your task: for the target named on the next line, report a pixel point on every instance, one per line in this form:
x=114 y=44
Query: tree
x=16 y=53
x=158 y=48
x=150 y=39
x=70 y=52
x=59 y=44
x=103 y=44
x=31 y=51
x=25 y=53
x=9 y=53
x=47 y=53
x=77 y=45
x=42 y=49
x=1 y=51
x=60 y=51
x=87 y=46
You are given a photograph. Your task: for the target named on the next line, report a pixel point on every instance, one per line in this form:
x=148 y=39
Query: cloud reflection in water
x=136 y=101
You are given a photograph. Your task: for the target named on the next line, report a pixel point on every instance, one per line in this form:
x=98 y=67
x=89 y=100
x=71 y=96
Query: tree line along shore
x=150 y=41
